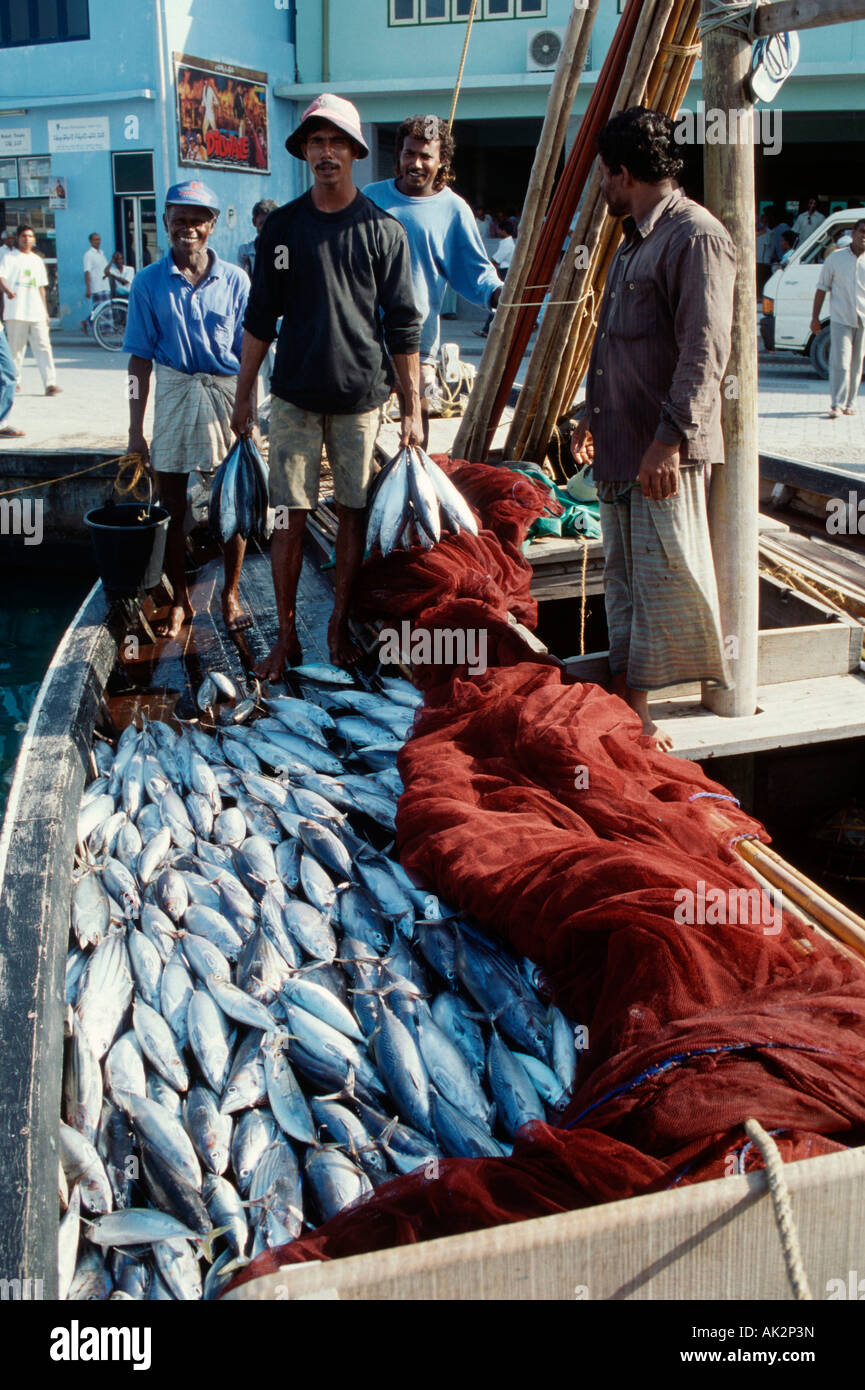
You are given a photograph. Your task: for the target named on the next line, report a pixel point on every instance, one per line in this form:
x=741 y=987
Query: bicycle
x=108 y=321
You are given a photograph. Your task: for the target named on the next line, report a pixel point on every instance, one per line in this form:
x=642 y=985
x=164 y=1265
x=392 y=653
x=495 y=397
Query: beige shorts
x=296 y=439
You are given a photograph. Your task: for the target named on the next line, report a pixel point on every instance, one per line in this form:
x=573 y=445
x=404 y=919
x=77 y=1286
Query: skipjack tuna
x=267 y=1019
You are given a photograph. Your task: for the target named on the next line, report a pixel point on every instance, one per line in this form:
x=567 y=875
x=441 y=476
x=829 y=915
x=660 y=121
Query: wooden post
x=734 y=507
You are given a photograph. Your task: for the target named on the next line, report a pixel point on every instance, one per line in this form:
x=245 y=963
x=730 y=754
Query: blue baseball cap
x=192 y=193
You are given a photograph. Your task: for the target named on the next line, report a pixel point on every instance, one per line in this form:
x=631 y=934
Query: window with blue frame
x=403 y=12
x=43 y=21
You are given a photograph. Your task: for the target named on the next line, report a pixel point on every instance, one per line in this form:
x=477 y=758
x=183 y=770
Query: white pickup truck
x=788 y=295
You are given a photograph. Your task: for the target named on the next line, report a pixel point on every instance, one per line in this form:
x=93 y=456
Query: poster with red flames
x=221 y=115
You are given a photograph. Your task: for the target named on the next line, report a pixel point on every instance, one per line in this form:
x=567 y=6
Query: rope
x=738 y=15
x=682 y=50
x=583 y=595
x=780 y=1194
x=139 y=474
x=462 y=64
x=79 y=472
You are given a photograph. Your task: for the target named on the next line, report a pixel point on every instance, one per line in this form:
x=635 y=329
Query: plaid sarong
x=659 y=585
x=191 y=415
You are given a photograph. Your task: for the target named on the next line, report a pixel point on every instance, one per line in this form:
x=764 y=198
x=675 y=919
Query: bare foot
x=236 y=620
x=286 y=651
x=178 y=614
x=343 y=650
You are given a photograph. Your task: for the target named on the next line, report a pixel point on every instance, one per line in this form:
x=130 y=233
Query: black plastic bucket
x=129 y=541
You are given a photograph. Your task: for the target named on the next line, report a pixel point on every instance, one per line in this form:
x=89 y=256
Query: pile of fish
x=412 y=499
x=238 y=497
x=266 y=1019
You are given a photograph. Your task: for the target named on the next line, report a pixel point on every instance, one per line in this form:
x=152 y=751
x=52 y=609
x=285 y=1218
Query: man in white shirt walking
x=26 y=315
x=95 y=287
x=843 y=275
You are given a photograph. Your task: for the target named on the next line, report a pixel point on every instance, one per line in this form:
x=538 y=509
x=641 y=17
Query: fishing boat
x=697 y=1236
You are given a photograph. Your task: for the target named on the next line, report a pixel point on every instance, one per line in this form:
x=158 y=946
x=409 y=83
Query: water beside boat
x=35 y=610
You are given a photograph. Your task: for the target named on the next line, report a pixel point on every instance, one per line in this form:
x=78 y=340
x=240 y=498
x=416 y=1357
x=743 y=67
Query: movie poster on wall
x=221 y=115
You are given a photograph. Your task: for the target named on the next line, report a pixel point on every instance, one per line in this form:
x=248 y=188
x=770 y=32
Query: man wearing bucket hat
x=338 y=271
x=186 y=316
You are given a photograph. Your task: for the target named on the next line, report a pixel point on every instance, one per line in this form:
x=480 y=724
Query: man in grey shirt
x=653 y=407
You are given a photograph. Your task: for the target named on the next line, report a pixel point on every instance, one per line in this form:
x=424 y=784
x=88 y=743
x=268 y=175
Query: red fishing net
x=538 y=807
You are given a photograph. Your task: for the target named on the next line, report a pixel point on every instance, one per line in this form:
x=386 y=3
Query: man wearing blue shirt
x=186 y=316
x=445 y=245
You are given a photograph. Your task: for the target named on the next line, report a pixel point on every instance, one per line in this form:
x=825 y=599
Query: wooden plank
x=783 y=655
x=781 y=15
x=713 y=1241
x=823 y=650
x=826 y=481
x=789 y=715
x=37 y=843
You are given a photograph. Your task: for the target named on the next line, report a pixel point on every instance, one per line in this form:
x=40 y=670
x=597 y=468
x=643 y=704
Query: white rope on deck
x=780 y=1194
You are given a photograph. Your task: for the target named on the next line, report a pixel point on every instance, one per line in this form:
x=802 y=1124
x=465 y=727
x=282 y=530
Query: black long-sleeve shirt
x=342 y=283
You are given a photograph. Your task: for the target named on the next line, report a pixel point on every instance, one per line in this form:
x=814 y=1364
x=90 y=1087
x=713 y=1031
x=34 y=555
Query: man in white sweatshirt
x=443 y=236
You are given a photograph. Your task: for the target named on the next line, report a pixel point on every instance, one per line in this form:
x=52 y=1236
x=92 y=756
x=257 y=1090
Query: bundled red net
x=539 y=807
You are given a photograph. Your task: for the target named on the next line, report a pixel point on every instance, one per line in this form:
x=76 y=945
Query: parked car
x=788 y=295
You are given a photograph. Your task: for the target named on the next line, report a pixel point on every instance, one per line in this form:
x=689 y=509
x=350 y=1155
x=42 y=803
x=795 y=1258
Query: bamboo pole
x=560 y=103
x=820 y=905
x=735 y=503
x=552 y=231
x=539 y=407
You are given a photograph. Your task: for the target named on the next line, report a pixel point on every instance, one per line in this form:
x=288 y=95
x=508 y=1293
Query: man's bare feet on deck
x=236 y=620
x=178 y=615
x=344 y=652
x=286 y=651
x=639 y=703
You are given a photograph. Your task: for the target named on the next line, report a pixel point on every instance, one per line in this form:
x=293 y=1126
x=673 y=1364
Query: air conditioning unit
x=543 y=47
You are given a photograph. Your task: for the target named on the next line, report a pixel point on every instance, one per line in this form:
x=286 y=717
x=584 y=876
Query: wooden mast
x=734 y=507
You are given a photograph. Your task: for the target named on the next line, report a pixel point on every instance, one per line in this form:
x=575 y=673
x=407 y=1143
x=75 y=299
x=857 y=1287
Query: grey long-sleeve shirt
x=663 y=340
x=342 y=283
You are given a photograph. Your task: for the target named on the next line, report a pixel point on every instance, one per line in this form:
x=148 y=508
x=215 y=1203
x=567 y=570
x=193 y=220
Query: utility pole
x=734 y=506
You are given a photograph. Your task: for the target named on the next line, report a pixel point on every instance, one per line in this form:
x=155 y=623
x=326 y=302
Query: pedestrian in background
x=247 y=249
x=7 y=242
x=119 y=275
x=8 y=377
x=95 y=288
x=807 y=221
x=26 y=308
x=843 y=277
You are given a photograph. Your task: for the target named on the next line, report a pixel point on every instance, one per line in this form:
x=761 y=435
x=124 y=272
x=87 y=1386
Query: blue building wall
x=125 y=72
x=384 y=68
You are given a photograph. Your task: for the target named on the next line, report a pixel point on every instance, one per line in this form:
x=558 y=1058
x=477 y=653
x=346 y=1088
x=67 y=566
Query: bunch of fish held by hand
x=413 y=499
x=239 y=494
x=266 y=1018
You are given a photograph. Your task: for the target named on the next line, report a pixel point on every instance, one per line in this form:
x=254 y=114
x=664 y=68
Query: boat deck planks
x=794 y=713
x=167 y=675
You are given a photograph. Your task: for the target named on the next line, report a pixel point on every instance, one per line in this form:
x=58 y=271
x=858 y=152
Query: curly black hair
x=643 y=141
x=428 y=128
